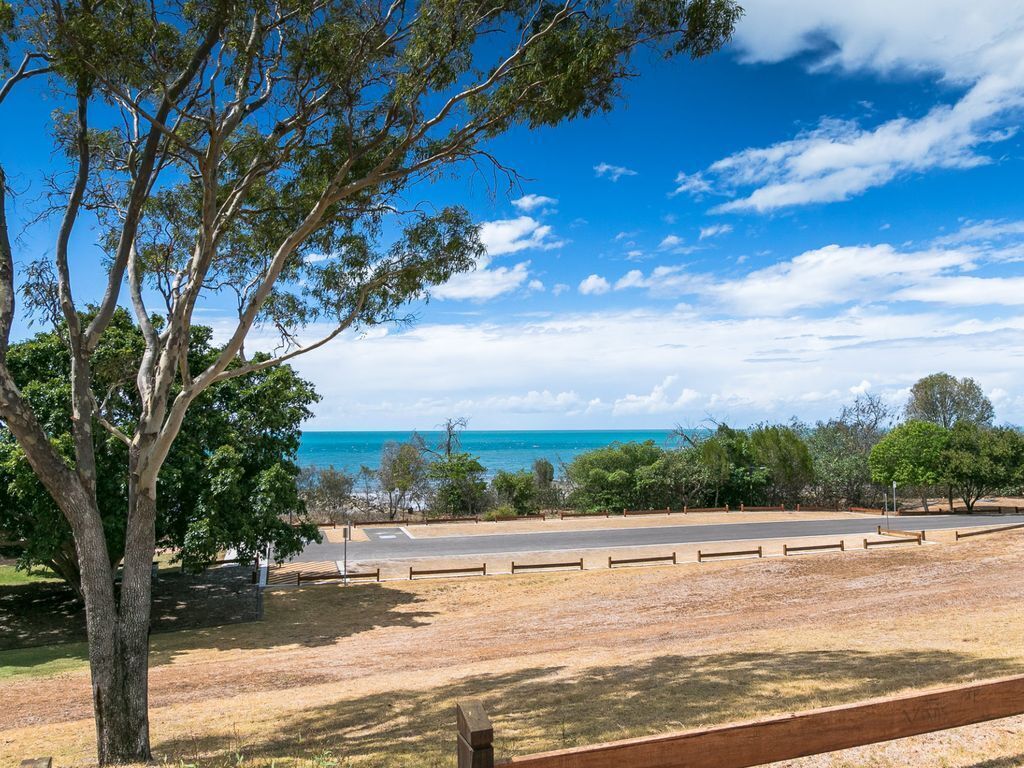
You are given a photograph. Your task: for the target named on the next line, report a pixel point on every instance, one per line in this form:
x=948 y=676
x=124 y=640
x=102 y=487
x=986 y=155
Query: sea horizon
x=496 y=449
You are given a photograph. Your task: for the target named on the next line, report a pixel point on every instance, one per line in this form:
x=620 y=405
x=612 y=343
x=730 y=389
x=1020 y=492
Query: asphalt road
x=395 y=544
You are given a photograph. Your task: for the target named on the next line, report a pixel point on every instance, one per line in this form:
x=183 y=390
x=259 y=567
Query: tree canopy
x=229 y=482
x=945 y=400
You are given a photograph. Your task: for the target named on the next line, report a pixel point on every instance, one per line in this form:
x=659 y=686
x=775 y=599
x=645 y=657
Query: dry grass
x=368 y=676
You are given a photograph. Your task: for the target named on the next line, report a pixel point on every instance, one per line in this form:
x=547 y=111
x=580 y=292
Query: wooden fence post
x=474 y=741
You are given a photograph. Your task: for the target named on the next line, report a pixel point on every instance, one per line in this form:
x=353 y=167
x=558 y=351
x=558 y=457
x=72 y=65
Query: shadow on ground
x=547 y=708
x=43 y=613
x=308 y=617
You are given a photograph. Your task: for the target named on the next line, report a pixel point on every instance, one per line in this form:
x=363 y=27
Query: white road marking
x=386 y=536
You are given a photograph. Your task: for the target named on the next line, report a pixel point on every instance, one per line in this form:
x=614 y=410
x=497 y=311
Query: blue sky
x=830 y=206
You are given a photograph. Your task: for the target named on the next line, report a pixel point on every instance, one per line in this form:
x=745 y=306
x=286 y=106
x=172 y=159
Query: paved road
x=395 y=544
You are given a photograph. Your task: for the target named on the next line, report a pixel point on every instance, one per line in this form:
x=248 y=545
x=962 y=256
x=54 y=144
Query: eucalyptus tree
x=265 y=150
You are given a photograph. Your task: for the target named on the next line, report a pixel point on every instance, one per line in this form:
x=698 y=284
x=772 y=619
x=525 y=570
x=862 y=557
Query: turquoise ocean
x=496 y=450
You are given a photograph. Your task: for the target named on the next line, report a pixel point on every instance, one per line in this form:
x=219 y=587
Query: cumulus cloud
x=484 y=283
x=514 y=235
x=528 y=203
x=501 y=237
x=741 y=369
x=612 y=172
x=658 y=401
x=981 y=51
x=594 y=285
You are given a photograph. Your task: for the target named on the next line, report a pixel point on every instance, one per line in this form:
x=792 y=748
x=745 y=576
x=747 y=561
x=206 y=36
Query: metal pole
x=348 y=535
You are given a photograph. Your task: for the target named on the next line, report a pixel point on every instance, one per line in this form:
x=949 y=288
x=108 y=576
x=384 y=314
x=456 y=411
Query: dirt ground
x=368 y=675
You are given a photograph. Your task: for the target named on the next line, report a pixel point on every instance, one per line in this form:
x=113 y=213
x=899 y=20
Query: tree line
x=942 y=443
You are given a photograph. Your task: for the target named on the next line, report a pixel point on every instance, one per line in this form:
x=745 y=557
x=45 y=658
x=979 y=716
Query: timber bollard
x=476 y=735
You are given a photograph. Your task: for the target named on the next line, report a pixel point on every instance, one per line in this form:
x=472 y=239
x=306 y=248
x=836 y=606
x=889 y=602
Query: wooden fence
x=777 y=508
x=638 y=560
x=469 y=569
x=702 y=555
x=789 y=548
x=516 y=567
x=988 y=530
x=897 y=532
x=314 y=577
x=885 y=542
x=759 y=742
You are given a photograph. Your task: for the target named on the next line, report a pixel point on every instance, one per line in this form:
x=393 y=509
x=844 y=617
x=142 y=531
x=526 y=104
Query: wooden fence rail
x=885 y=542
x=759 y=742
x=897 y=532
x=702 y=555
x=299 y=578
x=776 y=508
x=787 y=548
x=634 y=560
x=541 y=566
x=631 y=512
x=988 y=530
x=481 y=569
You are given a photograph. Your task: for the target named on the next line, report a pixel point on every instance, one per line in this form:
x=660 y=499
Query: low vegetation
x=944 y=445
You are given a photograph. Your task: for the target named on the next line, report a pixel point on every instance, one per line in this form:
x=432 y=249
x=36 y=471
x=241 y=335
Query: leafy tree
x=606 y=479
x=911 y=454
x=516 y=489
x=676 y=478
x=549 y=494
x=326 y=492
x=784 y=454
x=403 y=474
x=230 y=479
x=945 y=400
x=227 y=148
x=978 y=462
x=460 y=488
x=738 y=474
x=840 y=448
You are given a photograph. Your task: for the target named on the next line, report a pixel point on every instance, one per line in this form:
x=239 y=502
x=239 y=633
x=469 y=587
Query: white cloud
x=572 y=368
x=531 y=202
x=484 y=283
x=660 y=400
x=860 y=389
x=670 y=241
x=715 y=230
x=839 y=276
x=981 y=50
x=612 y=172
x=499 y=238
x=514 y=235
x=594 y=285
x=560 y=288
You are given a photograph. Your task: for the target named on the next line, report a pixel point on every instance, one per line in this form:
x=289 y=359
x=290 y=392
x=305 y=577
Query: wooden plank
x=787 y=548
x=541 y=566
x=628 y=560
x=988 y=530
x=885 y=542
x=475 y=736
x=37 y=762
x=481 y=569
x=897 y=532
x=799 y=735
x=702 y=555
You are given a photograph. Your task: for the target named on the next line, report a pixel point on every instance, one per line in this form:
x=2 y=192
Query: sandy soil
x=371 y=673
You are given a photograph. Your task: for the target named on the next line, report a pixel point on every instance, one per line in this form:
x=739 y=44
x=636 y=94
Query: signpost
x=348 y=535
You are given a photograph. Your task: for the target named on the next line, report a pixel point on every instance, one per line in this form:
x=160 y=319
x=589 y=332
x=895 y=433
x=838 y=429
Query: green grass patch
x=12 y=577
x=43 y=661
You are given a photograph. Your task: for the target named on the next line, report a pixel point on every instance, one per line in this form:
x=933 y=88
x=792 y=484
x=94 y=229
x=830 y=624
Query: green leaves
x=910 y=455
